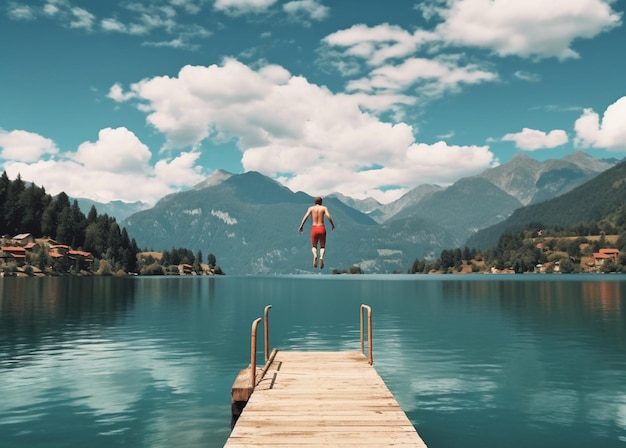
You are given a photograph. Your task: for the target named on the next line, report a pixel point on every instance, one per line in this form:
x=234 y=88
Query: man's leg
x=322 y=248
x=314 y=250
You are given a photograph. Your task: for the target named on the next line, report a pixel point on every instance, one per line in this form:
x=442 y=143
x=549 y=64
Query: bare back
x=317 y=214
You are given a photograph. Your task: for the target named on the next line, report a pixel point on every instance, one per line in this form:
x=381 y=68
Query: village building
x=23 y=239
x=185 y=269
x=603 y=255
x=13 y=253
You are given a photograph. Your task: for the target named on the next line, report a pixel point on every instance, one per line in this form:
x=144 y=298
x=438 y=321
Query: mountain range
x=249 y=221
x=602 y=198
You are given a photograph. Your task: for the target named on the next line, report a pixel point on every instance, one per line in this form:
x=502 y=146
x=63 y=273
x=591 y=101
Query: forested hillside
x=601 y=199
x=29 y=209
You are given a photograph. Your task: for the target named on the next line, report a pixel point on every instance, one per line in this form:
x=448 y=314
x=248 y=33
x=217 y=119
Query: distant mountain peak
x=587 y=163
x=530 y=180
x=215 y=178
x=363 y=205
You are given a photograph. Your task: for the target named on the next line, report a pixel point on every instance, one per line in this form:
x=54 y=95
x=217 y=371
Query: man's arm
x=306 y=216
x=330 y=219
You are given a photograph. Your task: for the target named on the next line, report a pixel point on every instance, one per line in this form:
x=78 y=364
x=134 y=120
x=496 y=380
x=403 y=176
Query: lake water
x=474 y=361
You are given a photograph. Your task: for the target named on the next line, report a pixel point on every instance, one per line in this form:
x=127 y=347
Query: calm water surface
x=475 y=361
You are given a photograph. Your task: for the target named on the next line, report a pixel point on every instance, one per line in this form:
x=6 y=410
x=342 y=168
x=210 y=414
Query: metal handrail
x=266 y=330
x=370 y=357
x=266 y=334
x=255 y=324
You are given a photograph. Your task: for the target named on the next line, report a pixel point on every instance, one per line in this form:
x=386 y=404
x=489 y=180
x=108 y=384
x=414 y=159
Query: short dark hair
x=318 y=200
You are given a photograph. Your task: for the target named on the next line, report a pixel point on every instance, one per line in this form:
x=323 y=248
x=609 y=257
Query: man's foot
x=321 y=263
x=314 y=262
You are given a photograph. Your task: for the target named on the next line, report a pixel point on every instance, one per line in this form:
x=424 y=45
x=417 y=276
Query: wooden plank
x=322 y=399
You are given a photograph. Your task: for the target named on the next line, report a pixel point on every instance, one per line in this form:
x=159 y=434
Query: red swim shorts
x=318 y=233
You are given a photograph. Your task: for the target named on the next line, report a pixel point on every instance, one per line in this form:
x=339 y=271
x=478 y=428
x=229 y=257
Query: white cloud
x=17 y=11
x=299 y=133
x=429 y=77
x=115 y=167
x=144 y=19
x=306 y=10
x=377 y=44
x=531 y=139
x=180 y=171
x=62 y=10
x=529 y=28
x=136 y=19
x=239 y=7
x=190 y=6
x=25 y=146
x=447 y=163
x=51 y=8
x=113 y=25
x=392 y=68
x=610 y=133
x=81 y=18
x=527 y=76
x=117 y=150
x=116 y=93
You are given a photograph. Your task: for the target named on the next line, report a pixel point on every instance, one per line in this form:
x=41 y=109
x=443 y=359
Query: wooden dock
x=320 y=399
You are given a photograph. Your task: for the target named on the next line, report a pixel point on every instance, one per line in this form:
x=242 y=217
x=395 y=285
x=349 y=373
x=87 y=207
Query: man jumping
x=318 y=231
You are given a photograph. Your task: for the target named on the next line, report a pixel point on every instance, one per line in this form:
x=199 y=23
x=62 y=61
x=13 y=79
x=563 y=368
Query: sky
x=134 y=100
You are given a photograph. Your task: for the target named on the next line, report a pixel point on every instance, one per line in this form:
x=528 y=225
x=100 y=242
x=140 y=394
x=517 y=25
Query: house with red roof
x=611 y=254
x=13 y=253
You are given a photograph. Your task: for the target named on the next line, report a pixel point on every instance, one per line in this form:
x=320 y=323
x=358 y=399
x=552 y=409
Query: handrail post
x=266 y=331
x=370 y=357
x=255 y=324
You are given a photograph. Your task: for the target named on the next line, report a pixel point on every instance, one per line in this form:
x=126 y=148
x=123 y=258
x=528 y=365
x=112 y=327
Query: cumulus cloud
x=531 y=139
x=180 y=171
x=116 y=150
x=299 y=133
x=529 y=28
x=114 y=167
x=386 y=59
x=25 y=146
x=608 y=133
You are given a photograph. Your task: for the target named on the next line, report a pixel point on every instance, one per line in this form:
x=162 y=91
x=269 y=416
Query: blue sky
x=133 y=100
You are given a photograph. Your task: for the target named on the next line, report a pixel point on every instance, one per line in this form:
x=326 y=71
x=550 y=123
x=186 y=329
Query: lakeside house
x=603 y=255
x=185 y=269
x=13 y=253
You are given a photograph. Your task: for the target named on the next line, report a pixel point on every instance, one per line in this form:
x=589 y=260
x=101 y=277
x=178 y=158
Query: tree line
x=169 y=261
